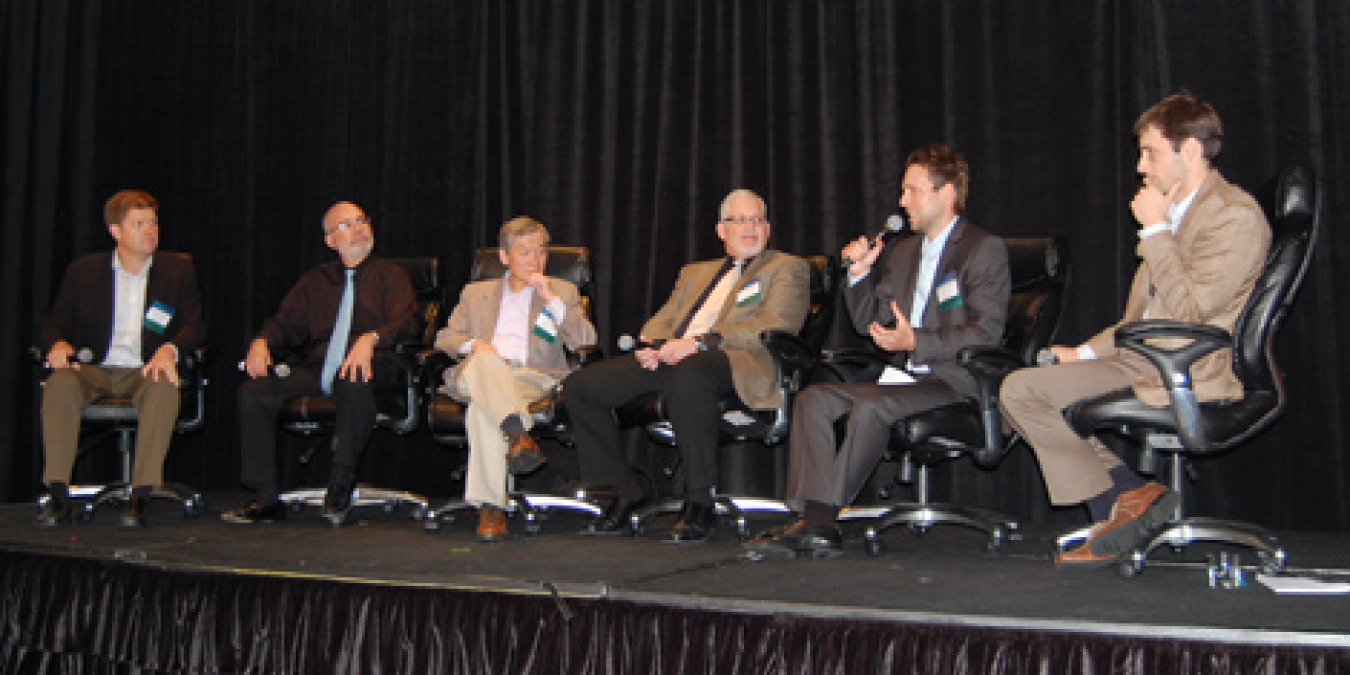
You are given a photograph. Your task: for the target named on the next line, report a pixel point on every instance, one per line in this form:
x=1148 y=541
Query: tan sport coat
x=1203 y=274
x=475 y=318
x=773 y=293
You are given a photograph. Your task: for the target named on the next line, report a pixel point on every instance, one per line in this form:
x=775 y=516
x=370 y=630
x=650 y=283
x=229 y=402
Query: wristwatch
x=702 y=343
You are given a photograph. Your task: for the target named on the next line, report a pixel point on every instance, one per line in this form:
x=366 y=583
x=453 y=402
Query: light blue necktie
x=337 y=344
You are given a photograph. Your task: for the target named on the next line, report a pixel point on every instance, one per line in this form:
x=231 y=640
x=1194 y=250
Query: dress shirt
x=511 y=334
x=709 y=306
x=128 y=311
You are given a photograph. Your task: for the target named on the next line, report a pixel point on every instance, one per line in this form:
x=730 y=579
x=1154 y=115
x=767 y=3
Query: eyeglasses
x=344 y=225
x=745 y=220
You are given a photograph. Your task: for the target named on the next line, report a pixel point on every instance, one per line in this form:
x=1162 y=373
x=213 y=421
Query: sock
x=512 y=426
x=141 y=492
x=342 y=474
x=820 y=514
x=699 y=496
x=59 y=491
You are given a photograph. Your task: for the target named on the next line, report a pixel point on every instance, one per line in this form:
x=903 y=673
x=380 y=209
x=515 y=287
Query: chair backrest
x=569 y=263
x=1294 y=220
x=816 y=330
x=1039 y=268
x=425 y=274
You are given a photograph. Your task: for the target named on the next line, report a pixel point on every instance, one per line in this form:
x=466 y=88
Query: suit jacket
x=475 y=318
x=979 y=262
x=1202 y=274
x=83 y=312
x=780 y=303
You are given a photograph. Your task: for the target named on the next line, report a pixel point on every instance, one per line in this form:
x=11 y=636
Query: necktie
x=337 y=344
x=706 y=316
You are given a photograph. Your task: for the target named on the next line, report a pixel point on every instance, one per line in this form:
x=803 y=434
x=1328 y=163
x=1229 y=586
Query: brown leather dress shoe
x=491 y=524
x=1135 y=513
x=524 y=455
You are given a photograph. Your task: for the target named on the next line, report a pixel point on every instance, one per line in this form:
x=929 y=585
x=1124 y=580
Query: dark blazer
x=83 y=313
x=781 y=303
x=979 y=263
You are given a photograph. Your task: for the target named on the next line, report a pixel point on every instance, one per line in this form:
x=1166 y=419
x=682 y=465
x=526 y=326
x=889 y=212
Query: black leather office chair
x=117 y=415
x=795 y=356
x=445 y=415
x=1191 y=428
x=1039 y=269
x=399 y=407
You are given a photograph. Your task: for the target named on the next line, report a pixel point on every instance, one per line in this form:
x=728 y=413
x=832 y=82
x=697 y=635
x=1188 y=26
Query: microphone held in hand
x=895 y=224
x=279 y=369
x=1045 y=357
x=628 y=343
x=85 y=355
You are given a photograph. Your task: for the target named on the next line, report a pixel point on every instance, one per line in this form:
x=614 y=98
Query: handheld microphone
x=894 y=225
x=1045 y=357
x=85 y=355
x=628 y=343
x=281 y=370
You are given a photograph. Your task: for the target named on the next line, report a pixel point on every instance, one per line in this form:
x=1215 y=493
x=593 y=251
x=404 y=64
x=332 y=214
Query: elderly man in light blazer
x=512 y=333
x=701 y=345
x=1202 y=242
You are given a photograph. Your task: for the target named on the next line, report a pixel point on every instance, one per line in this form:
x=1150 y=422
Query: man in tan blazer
x=1202 y=242
x=701 y=345
x=511 y=333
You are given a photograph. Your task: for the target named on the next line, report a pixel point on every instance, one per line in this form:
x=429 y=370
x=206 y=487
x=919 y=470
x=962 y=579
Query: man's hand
x=1150 y=204
x=898 y=339
x=539 y=282
x=58 y=356
x=162 y=364
x=478 y=346
x=861 y=253
x=647 y=358
x=1064 y=354
x=357 y=367
x=674 y=351
x=259 y=359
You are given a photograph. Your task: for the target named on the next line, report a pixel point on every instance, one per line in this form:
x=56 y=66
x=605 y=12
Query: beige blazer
x=475 y=318
x=1203 y=274
x=773 y=293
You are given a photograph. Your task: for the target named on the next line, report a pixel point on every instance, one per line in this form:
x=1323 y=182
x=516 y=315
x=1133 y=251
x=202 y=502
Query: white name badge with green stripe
x=545 y=328
x=949 y=293
x=157 y=317
x=749 y=293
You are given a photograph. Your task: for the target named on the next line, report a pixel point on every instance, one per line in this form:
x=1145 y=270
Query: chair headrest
x=569 y=263
x=1035 y=260
x=424 y=272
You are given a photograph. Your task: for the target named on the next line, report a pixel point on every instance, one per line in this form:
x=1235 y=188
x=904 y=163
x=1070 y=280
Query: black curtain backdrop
x=621 y=125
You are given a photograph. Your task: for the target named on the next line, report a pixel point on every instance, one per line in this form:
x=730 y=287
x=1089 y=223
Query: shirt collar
x=933 y=248
x=145 y=269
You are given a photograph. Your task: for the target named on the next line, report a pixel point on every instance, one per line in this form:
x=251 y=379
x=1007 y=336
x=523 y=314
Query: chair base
x=732 y=506
x=531 y=507
x=362 y=495
x=1178 y=534
x=85 y=499
x=920 y=517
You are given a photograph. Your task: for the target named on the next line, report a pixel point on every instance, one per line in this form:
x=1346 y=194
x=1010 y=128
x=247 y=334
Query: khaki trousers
x=494 y=390
x=69 y=390
x=1033 y=401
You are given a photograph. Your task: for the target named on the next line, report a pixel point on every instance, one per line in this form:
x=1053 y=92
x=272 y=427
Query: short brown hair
x=520 y=226
x=944 y=166
x=117 y=206
x=1182 y=116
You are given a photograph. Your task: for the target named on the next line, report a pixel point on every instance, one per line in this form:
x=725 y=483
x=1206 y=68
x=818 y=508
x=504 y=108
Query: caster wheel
x=431 y=526
x=1131 y=566
x=874 y=546
x=1270 y=564
x=531 y=528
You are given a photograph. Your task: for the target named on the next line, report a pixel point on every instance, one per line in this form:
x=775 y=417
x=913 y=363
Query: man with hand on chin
x=1202 y=243
x=709 y=347
x=931 y=296
x=511 y=333
x=343 y=319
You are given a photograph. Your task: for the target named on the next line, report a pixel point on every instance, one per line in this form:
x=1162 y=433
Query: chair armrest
x=584 y=356
x=989 y=365
x=852 y=364
x=790 y=353
x=1174 y=365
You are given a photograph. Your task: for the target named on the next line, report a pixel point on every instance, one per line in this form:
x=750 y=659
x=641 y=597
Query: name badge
x=157 y=317
x=545 y=328
x=949 y=293
x=749 y=293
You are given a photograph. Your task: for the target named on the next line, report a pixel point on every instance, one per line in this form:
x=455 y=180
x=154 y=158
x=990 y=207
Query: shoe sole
x=1130 y=535
x=525 y=462
x=236 y=520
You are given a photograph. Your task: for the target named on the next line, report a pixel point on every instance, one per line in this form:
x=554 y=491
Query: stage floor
x=944 y=576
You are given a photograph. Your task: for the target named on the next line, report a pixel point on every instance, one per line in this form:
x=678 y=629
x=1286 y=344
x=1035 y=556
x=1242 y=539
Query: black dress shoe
x=337 y=501
x=617 y=518
x=133 y=517
x=53 y=512
x=256 y=513
x=799 y=539
x=696 y=524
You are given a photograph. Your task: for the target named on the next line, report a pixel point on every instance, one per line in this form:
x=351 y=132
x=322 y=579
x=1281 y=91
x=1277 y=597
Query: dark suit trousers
x=259 y=403
x=816 y=472
x=692 y=389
